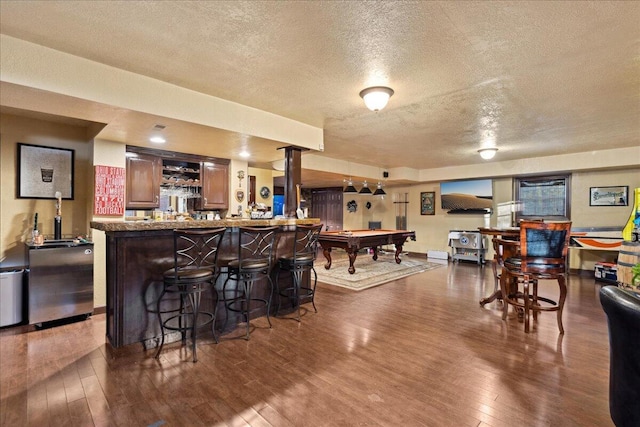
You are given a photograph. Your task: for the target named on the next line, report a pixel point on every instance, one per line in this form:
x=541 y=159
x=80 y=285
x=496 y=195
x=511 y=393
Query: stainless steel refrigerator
x=60 y=280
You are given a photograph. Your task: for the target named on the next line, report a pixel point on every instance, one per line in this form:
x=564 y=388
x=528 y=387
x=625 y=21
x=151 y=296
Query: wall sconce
x=488 y=153
x=376 y=98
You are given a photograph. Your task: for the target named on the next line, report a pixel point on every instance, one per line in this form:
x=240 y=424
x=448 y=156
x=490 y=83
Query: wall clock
x=265 y=192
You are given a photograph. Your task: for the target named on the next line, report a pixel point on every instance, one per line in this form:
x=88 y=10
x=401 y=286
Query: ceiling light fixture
x=158 y=139
x=379 y=191
x=244 y=154
x=488 y=153
x=376 y=98
x=350 y=188
x=365 y=189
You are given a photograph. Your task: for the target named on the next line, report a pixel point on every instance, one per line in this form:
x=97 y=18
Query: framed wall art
x=44 y=171
x=239 y=195
x=609 y=196
x=108 y=192
x=428 y=203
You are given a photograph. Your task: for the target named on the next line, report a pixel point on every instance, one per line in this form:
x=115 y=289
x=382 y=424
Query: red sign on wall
x=108 y=199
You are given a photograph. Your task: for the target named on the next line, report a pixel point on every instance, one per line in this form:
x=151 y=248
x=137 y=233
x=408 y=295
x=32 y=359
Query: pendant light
x=350 y=189
x=379 y=191
x=365 y=189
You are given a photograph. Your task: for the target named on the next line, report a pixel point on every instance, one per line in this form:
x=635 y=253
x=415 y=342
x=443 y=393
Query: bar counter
x=137 y=254
x=145 y=225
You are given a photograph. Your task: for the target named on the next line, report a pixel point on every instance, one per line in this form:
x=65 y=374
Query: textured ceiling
x=532 y=78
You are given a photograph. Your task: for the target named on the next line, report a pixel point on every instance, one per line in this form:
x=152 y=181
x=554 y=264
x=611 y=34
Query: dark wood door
x=252 y=190
x=215 y=186
x=144 y=173
x=327 y=205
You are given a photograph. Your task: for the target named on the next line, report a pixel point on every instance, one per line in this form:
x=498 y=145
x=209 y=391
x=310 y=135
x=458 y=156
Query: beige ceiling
x=533 y=78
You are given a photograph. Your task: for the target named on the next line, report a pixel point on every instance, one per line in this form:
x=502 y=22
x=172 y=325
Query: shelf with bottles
x=180 y=173
x=180 y=178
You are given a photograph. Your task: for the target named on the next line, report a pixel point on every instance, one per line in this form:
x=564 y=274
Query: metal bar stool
x=194 y=272
x=301 y=261
x=253 y=265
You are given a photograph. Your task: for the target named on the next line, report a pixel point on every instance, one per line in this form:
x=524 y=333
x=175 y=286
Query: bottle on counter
x=633 y=223
x=36 y=237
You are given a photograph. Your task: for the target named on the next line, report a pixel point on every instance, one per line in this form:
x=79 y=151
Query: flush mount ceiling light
x=379 y=191
x=244 y=154
x=350 y=188
x=158 y=139
x=376 y=98
x=156 y=134
x=365 y=188
x=487 y=153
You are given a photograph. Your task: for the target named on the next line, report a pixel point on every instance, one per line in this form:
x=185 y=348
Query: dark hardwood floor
x=416 y=352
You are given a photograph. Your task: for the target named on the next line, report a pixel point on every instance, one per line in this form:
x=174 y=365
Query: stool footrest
x=513 y=300
x=188 y=318
x=241 y=301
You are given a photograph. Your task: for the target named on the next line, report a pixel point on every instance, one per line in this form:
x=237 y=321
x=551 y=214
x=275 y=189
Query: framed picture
x=609 y=196
x=44 y=171
x=428 y=203
x=108 y=192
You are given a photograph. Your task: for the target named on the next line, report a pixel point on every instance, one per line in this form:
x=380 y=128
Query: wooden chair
x=542 y=255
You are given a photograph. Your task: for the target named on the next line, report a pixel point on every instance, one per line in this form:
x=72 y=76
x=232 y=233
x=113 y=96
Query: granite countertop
x=170 y=225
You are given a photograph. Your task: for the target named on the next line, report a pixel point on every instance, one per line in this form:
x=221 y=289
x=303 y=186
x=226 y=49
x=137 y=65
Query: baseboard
x=438 y=254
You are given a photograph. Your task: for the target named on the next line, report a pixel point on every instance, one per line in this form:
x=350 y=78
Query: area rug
x=369 y=273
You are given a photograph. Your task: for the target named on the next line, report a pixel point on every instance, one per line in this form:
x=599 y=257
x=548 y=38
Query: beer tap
x=57 y=224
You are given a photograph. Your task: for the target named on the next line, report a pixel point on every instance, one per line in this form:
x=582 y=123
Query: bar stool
x=227 y=253
x=304 y=250
x=253 y=264
x=543 y=256
x=194 y=272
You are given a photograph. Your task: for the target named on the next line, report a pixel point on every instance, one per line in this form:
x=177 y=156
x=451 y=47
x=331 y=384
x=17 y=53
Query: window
x=543 y=197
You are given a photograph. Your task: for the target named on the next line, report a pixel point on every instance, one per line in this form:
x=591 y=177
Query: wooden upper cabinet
x=215 y=186
x=144 y=174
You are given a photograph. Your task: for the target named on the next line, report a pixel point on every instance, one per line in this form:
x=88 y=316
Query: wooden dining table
x=507 y=251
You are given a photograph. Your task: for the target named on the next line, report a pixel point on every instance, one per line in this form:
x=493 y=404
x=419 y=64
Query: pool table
x=353 y=241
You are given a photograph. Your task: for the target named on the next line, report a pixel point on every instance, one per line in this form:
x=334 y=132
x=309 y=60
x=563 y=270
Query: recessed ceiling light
x=157 y=139
x=244 y=154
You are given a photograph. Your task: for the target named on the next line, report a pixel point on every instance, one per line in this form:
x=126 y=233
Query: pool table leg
x=352 y=259
x=375 y=253
x=398 y=252
x=327 y=254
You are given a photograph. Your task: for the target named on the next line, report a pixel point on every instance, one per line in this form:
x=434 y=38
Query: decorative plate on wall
x=240 y=195
x=265 y=192
x=352 y=206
